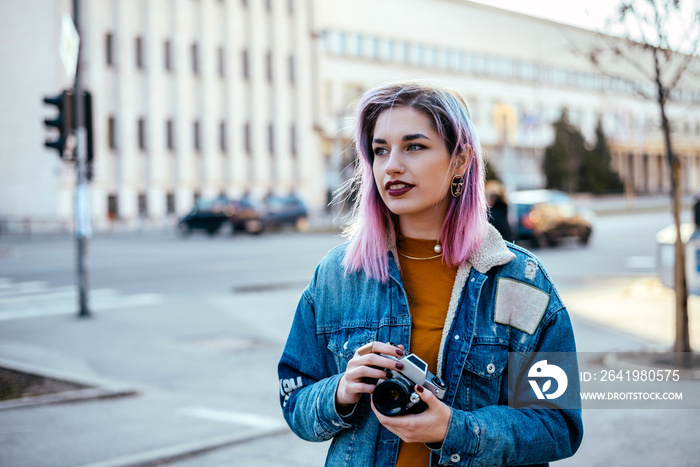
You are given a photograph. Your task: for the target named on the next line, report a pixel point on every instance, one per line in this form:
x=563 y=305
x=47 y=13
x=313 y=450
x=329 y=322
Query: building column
x=280 y=39
x=259 y=91
x=208 y=89
x=185 y=167
x=311 y=182
x=155 y=110
x=235 y=32
x=126 y=120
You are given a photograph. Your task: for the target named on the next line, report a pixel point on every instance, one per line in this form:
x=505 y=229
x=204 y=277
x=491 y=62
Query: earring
x=457 y=186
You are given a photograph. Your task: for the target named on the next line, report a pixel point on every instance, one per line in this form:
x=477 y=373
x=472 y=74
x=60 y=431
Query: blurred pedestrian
x=498 y=208
x=424 y=272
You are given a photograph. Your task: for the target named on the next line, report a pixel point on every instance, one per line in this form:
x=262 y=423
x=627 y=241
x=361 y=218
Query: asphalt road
x=217 y=312
x=164 y=263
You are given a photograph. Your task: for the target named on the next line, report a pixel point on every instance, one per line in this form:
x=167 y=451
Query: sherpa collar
x=492 y=252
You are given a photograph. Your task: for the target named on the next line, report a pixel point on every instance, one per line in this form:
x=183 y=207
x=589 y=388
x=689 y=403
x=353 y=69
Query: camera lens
x=391 y=397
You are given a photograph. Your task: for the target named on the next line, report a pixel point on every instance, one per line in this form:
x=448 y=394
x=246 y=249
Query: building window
x=139 y=53
x=293 y=140
x=402 y=55
x=195 y=59
x=168 y=56
x=386 y=50
x=290 y=65
x=338 y=43
x=143 y=205
x=244 y=64
x=416 y=54
x=111 y=132
x=246 y=138
x=109 y=49
x=112 y=207
x=197 y=146
x=268 y=61
x=222 y=136
x=170 y=203
x=142 y=134
x=271 y=138
x=169 y=143
x=221 y=61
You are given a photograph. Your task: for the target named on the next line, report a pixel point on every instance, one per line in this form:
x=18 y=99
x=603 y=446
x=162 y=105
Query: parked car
x=212 y=215
x=286 y=210
x=546 y=216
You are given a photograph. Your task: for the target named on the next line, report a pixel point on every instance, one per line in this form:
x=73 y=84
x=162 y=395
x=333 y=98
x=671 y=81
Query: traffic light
x=87 y=106
x=63 y=123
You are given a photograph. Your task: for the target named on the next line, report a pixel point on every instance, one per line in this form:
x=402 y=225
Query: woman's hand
x=366 y=363
x=429 y=426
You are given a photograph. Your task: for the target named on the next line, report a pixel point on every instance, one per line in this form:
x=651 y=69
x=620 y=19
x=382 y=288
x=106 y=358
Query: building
x=197 y=98
x=517 y=72
x=190 y=99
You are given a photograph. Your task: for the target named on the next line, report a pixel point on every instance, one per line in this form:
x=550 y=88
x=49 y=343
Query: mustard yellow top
x=428 y=285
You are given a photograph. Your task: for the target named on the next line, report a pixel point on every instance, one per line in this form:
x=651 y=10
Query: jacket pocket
x=484 y=375
x=345 y=342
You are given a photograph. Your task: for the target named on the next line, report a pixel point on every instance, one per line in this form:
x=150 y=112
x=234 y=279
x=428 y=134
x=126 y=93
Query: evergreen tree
x=597 y=176
x=491 y=174
x=562 y=158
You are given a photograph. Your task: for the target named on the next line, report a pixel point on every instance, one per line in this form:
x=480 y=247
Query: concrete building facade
x=197 y=98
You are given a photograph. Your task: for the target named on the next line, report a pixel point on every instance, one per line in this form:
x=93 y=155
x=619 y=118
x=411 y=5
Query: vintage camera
x=396 y=396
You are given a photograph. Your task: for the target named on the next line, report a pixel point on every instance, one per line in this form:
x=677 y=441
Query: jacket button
x=455 y=458
x=490 y=368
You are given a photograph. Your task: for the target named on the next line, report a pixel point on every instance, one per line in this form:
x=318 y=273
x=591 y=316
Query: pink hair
x=372 y=229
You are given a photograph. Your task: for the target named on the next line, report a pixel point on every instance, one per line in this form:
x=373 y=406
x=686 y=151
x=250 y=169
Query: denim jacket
x=503 y=301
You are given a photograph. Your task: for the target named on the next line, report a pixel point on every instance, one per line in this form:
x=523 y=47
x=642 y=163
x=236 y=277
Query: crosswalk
x=30 y=299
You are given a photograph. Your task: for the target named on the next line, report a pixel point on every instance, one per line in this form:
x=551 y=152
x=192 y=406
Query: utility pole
x=83 y=228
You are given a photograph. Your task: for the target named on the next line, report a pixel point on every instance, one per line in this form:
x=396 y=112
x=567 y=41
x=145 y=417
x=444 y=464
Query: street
x=196 y=326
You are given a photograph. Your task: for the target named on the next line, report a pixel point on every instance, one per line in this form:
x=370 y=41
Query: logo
x=542 y=369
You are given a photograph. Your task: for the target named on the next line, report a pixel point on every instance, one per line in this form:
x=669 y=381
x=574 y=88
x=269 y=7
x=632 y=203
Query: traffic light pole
x=83 y=229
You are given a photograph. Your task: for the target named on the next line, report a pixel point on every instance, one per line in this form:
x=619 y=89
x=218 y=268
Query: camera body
x=396 y=396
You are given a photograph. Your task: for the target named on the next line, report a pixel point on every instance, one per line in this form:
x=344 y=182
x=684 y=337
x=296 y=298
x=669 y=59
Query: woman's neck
x=424 y=230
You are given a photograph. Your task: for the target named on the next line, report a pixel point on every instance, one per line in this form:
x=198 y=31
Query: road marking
x=238 y=418
x=57 y=293
x=10 y=288
x=640 y=262
x=32 y=299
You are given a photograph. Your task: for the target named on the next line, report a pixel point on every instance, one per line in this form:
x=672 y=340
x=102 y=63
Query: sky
x=590 y=14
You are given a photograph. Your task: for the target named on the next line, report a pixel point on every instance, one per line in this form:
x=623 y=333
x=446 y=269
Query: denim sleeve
x=308 y=378
x=502 y=435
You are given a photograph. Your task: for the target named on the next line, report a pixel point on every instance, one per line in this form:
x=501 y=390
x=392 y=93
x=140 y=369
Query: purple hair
x=372 y=229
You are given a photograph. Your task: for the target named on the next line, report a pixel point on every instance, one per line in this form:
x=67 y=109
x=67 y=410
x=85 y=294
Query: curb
x=184 y=450
x=96 y=388
x=630 y=359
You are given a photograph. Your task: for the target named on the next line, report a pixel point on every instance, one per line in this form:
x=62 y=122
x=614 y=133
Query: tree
x=658 y=44
x=562 y=158
x=596 y=174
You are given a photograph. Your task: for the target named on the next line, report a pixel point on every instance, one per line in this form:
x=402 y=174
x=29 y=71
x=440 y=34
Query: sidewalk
x=207 y=380
x=621 y=204
x=641 y=306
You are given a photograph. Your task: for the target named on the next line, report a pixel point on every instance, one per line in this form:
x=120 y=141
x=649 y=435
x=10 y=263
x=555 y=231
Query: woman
x=423 y=270
x=498 y=209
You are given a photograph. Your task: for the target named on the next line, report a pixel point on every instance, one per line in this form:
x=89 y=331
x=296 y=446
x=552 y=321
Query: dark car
x=286 y=210
x=546 y=216
x=213 y=215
